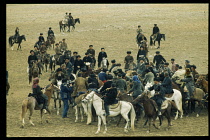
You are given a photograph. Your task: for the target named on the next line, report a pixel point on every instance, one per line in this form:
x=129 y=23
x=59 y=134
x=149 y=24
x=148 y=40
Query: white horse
x=177 y=98
x=123 y=108
x=57 y=97
x=104 y=63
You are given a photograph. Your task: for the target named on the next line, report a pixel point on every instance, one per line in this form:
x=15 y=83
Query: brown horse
x=31 y=104
x=50 y=41
x=150 y=109
x=202 y=83
x=46 y=60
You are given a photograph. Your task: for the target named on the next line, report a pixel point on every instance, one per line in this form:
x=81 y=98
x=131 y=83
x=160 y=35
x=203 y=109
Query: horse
x=131 y=66
x=198 y=95
x=104 y=63
x=31 y=104
x=62 y=26
x=19 y=41
x=176 y=97
x=150 y=109
x=122 y=108
x=33 y=72
x=158 y=38
x=57 y=97
x=46 y=60
x=79 y=107
x=50 y=41
x=202 y=83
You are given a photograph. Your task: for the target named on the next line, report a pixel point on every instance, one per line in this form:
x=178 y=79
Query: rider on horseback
x=110 y=97
x=57 y=52
x=50 y=32
x=139 y=32
x=71 y=19
x=40 y=39
x=155 y=31
x=16 y=34
x=159 y=94
x=38 y=94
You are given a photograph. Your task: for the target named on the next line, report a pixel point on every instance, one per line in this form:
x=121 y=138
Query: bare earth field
x=114 y=28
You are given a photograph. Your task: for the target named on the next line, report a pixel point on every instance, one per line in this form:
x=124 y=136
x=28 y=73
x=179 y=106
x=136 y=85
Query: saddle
x=39 y=99
x=169 y=95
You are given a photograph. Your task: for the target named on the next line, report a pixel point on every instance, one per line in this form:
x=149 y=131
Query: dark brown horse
x=19 y=41
x=33 y=72
x=63 y=26
x=150 y=109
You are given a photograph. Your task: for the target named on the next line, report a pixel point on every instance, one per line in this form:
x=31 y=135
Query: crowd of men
x=156 y=72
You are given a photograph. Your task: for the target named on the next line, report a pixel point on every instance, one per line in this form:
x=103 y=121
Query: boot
x=45 y=106
x=106 y=107
x=187 y=96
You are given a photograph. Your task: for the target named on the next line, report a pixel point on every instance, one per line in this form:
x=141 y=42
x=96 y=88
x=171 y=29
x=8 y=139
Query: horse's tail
x=132 y=117
x=24 y=108
x=151 y=43
x=10 y=41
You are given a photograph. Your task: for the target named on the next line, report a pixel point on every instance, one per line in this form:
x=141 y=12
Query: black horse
x=158 y=38
x=62 y=26
x=19 y=41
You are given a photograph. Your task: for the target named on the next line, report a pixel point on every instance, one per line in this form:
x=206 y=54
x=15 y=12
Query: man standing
x=69 y=68
x=101 y=55
x=158 y=59
x=173 y=67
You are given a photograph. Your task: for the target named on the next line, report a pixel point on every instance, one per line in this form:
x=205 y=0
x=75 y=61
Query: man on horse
x=189 y=83
x=158 y=59
x=121 y=83
x=69 y=67
x=102 y=75
x=87 y=59
x=71 y=19
x=50 y=32
x=63 y=45
x=194 y=72
x=110 y=98
x=167 y=84
x=139 y=32
x=16 y=34
x=156 y=30
x=92 y=82
x=59 y=75
x=137 y=87
x=142 y=54
x=66 y=18
x=140 y=67
x=128 y=60
x=78 y=64
x=159 y=96
x=107 y=84
x=38 y=94
x=31 y=59
x=178 y=75
x=41 y=39
x=57 y=52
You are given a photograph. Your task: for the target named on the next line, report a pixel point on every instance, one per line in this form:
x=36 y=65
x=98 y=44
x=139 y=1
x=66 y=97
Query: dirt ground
x=114 y=28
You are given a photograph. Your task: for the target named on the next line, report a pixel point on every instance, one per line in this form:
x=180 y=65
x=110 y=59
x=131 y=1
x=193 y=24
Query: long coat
x=128 y=60
x=137 y=89
x=65 y=91
x=81 y=84
x=110 y=96
x=189 y=83
x=158 y=59
x=167 y=85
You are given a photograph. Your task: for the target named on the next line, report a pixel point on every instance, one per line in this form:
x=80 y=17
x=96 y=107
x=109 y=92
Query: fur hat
x=41 y=33
x=157 y=52
x=128 y=52
x=109 y=76
x=113 y=61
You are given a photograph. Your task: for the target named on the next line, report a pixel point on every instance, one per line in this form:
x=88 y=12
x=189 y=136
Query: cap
x=172 y=59
x=157 y=52
x=128 y=52
x=41 y=33
x=109 y=76
x=193 y=66
x=102 y=48
x=187 y=61
x=113 y=61
x=31 y=51
x=90 y=45
x=50 y=28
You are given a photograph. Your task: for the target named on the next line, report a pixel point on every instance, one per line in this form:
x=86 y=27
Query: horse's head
x=199 y=81
x=23 y=37
x=77 y=20
x=88 y=97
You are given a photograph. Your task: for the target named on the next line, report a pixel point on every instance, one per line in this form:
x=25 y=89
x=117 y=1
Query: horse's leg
x=149 y=119
x=76 y=113
x=31 y=109
x=145 y=123
x=125 y=116
x=200 y=108
x=24 y=110
x=89 y=113
x=99 y=125
x=104 y=121
x=82 y=114
x=158 y=43
x=41 y=115
x=119 y=121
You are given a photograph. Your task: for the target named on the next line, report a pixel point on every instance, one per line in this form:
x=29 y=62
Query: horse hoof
x=104 y=132
x=147 y=131
x=76 y=121
x=96 y=132
x=88 y=123
x=47 y=121
x=197 y=115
